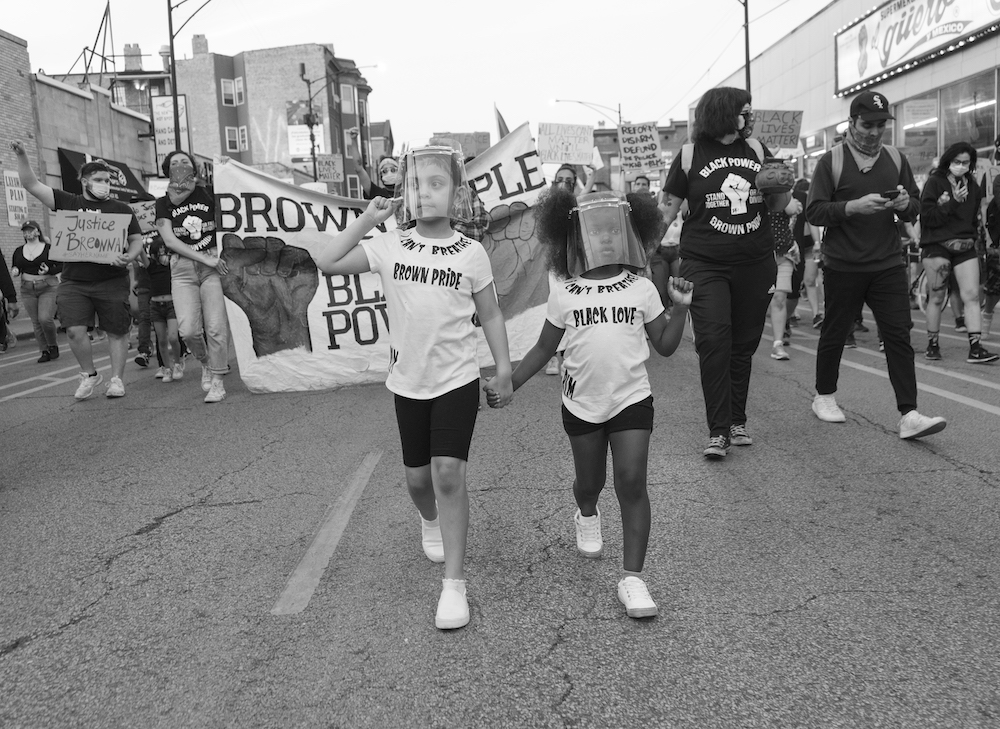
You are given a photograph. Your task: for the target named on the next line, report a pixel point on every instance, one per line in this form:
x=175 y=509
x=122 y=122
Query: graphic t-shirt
x=428 y=285
x=193 y=220
x=728 y=221
x=95 y=271
x=604 y=368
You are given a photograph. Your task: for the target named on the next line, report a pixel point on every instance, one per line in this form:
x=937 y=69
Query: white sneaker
x=778 y=351
x=162 y=372
x=216 y=392
x=588 y=534
x=914 y=425
x=825 y=407
x=116 y=388
x=87 y=385
x=430 y=537
x=453 y=606
x=168 y=374
x=634 y=595
x=552 y=368
x=179 y=370
x=206 y=379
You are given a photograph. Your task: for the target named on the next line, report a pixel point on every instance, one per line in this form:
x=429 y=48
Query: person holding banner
x=597 y=245
x=185 y=218
x=434 y=280
x=727 y=253
x=88 y=289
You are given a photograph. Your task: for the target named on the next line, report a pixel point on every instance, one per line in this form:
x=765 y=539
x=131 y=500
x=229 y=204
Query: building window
x=228 y=92
x=244 y=139
x=232 y=139
x=969 y=110
x=239 y=93
x=348 y=146
x=919 y=132
x=347 y=105
x=353 y=186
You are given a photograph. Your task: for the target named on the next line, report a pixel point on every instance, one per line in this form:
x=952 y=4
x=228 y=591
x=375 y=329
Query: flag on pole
x=501 y=124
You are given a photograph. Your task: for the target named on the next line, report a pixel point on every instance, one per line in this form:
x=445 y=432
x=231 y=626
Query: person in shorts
x=91 y=289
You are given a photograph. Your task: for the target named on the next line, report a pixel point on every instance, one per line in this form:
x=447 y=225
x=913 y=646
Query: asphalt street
x=257 y=563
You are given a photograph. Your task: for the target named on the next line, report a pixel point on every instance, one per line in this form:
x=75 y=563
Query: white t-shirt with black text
x=428 y=285
x=604 y=368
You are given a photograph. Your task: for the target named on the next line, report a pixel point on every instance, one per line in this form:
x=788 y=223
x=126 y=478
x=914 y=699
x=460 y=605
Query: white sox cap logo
x=877 y=100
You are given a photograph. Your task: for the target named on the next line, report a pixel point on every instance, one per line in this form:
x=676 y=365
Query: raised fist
x=273 y=283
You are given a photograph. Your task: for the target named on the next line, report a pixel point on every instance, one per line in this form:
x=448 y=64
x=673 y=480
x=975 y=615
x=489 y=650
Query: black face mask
x=747 y=131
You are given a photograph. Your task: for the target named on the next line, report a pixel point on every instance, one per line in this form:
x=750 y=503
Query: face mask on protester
x=99 y=190
x=182 y=178
x=957 y=169
x=868 y=142
x=747 y=131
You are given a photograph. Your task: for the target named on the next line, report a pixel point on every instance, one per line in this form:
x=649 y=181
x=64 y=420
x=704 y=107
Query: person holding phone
x=949 y=222
x=858 y=204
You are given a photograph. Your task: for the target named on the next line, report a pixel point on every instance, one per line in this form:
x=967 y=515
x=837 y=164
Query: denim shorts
x=78 y=301
x=162 y=311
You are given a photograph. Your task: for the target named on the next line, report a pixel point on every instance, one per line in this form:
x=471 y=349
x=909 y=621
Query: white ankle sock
x=456 y=585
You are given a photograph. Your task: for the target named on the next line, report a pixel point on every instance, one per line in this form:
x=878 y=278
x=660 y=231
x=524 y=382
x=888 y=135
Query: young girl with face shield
x=597 y=245
x=435 y=280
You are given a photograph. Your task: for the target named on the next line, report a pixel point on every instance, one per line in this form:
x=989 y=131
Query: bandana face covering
x=867 y=144
x=182 y=181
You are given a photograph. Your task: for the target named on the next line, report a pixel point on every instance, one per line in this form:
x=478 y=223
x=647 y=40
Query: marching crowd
x=625 y=273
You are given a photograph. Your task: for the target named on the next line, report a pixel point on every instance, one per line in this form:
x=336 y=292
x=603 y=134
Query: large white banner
x=900 y=31
x=295 y=328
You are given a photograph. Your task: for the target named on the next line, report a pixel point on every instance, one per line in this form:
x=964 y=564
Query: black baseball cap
x=870 y=106
x=31 y=224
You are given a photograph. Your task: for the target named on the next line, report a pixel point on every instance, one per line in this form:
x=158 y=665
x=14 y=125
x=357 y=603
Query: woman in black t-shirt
x=39 y=282
x=727 y=253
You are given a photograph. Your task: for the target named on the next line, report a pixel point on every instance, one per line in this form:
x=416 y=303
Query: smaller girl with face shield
x=597 y=245
x=435 y=282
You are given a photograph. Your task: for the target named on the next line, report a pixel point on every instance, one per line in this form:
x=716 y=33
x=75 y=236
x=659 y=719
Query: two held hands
x=499 y=391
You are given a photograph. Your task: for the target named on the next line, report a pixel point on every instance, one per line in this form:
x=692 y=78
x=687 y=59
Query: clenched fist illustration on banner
x=273 y=283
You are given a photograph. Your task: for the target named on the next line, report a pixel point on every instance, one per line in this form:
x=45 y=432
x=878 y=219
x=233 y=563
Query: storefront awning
x=125 y=186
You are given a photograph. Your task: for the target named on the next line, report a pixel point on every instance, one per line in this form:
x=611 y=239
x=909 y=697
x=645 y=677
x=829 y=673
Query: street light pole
x=310 y=120
x=595 y=107
x=746 y=37
x=173 y=76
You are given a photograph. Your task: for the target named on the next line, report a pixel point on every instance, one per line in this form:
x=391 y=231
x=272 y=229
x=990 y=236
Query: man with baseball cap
x=89 y=289
x=857 y=192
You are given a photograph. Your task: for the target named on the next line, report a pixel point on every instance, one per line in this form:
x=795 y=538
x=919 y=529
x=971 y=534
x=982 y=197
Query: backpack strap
x=895 y=156
x=687 y=155
x=837 y=163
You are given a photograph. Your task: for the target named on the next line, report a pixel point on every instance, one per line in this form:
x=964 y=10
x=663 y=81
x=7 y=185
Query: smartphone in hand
x=891 y=194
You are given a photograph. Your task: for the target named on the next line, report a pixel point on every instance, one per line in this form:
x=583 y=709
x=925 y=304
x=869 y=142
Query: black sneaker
x=142 y=359
x=794 y=320
x=46 y=357
x=960 y=324
x=850 y=343
x=933 y=352
x=718 y=447
x=817 y=321
x=980 y=355
x=53 y=352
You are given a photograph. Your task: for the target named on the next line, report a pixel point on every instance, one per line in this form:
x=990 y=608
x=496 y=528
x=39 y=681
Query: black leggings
x=441 y=426
x=728 y=310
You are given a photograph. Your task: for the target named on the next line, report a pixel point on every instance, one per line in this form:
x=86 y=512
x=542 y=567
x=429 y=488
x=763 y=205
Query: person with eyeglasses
x=89 y=289
x=39 y=282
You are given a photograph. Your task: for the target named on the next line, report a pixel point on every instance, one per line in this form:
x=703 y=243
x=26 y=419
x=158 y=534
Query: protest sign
x=145 y=213
x=565 y=143
x=473 y=143
x=80 y=236
x=777 y=129
x=295 y=328
x=161 y=109
x=17 y=198
x=640 y=149
x=330 y=167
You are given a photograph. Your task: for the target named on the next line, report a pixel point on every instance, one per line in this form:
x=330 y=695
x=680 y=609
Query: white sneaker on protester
x=87 y=384
x=206 y=379
x=168 y=374
x=588 y=534
x=914 y=425
x=552 y=368
x=179 y=370
x=825 y=407
x=430 y=538
x=453 y=606
x=216 y=392
x=778 y=351
x=116 y=388
x=162 y=372
x=634 y=595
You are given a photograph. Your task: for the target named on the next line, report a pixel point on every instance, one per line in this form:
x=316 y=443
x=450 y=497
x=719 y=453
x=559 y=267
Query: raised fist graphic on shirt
x=192 y=225
x=273 y=283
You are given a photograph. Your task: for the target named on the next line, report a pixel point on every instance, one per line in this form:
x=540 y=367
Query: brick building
x=253 y=107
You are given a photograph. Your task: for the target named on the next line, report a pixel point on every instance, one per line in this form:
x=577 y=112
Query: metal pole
x=173 y=77
x=746 y=36
x=312 y=127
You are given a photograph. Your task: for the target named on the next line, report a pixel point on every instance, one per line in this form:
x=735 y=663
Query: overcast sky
x=443 y=64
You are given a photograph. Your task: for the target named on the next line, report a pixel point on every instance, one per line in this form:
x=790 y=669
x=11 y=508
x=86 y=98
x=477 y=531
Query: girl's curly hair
x=552 y=216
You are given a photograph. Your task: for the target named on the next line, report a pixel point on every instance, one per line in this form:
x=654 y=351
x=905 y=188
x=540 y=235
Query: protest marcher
x=949 y=227
x=641 y=184
x=808 y=238
x=140 y=287
x=857 y=191
x=185 y=218
x=596 y=245
x=786 y=255
x=162 y=314
x=727 y=253
x=39 y=283
x=387 y=171
x=89 y=289
x=434 y=280
x=10 y=308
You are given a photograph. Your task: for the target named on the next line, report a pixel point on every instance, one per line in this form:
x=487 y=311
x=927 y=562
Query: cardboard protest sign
x=565 y=143
x=640 y=149
x=17 y=198
x=777 y=129
x=295 y=328
x=145 y=213
x=79 y=236
x=330 y=167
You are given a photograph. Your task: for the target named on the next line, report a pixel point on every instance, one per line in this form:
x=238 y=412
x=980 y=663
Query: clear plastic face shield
x=602 y=234
x=433 y=184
